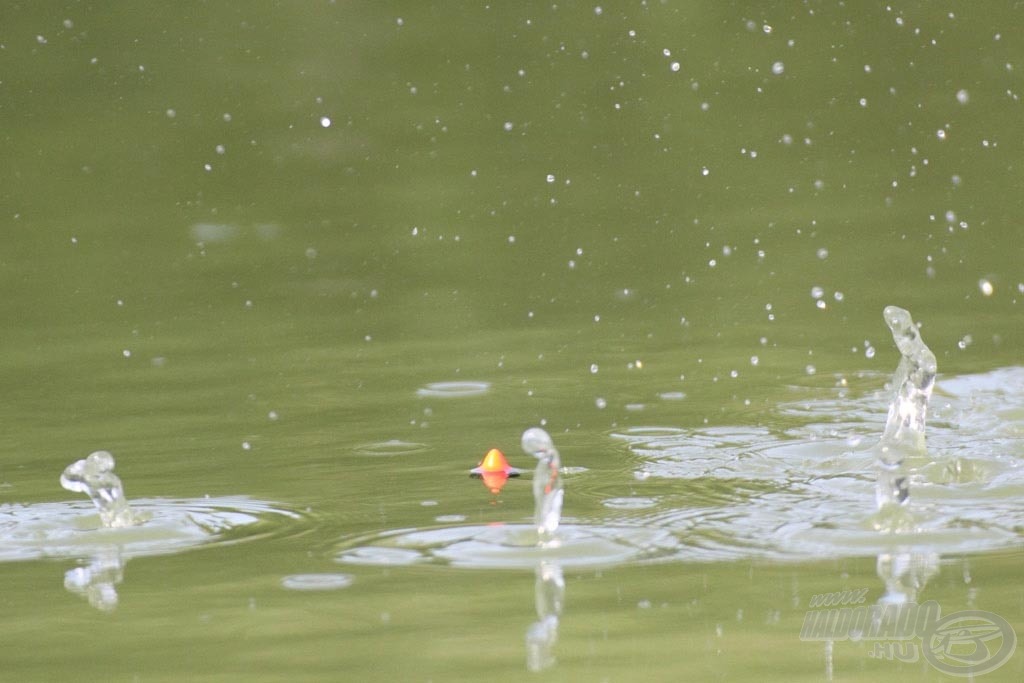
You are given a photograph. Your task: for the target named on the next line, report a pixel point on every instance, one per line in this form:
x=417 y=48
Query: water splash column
x=547 y=483
x=95 y=477
x=904 y=434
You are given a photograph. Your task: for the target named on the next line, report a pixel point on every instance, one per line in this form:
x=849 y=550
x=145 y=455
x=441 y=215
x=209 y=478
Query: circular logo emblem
x=968 y=643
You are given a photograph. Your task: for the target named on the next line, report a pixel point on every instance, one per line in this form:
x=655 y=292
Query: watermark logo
x=965 y=643
x=969 y=643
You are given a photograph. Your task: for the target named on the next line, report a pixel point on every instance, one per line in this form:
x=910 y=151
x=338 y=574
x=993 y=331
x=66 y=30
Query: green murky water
x=238 y=240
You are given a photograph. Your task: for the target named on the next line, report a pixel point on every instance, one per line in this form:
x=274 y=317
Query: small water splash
x=94 y=476
x=548 y=490
x=904 y=434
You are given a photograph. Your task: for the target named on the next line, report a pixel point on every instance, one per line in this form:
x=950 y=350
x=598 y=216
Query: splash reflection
x=542 y=635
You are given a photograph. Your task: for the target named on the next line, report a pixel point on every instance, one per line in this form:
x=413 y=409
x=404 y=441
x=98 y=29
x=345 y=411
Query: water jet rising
x=94 y=476
x=904 y=434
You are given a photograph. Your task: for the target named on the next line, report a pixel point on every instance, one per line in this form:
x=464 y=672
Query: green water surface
x=237 y=238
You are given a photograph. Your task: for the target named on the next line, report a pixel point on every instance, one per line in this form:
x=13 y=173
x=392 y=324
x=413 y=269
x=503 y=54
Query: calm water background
x=236 y=238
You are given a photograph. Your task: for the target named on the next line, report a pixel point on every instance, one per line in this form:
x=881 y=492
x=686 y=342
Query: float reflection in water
x=105 y=534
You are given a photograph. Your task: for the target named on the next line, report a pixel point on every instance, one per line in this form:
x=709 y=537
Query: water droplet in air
x=986 y=287
x=822 y=253
x=325 y=122
x=962 y=96
x=817 y=292
x=778 y=68
x=675 y=66
x=601 y=403
x=810 y=369
x=593 y=368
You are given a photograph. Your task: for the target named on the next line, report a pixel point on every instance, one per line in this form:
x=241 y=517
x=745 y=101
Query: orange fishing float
x=494 y=470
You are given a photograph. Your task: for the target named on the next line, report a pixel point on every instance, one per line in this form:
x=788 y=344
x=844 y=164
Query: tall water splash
x=547 y=484
x=95 y=477
x=904 y=428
